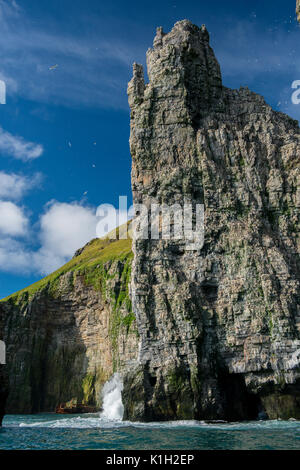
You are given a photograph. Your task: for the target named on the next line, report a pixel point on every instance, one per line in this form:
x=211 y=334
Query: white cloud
x=13 y=257
x=67 y=227
x=18 y=148
x=13 y=221
x=13 y=186
x=63 y=228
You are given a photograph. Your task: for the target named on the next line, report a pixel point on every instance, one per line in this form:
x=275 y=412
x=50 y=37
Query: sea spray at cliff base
x=113 y=408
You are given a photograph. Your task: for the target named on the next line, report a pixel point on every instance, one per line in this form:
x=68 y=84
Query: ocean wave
x=92 y=422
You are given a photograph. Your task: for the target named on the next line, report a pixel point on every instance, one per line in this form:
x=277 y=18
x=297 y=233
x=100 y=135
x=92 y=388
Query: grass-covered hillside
x=87 y=262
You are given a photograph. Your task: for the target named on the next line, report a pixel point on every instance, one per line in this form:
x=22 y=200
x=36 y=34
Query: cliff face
x=219 y=326
x=66 y=337
x=298 y=9
x=3 y=391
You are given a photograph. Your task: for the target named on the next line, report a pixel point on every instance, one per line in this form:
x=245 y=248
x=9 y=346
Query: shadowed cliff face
x=3 y=391
x=66 y=338
x=219 y=327
x=3 y=377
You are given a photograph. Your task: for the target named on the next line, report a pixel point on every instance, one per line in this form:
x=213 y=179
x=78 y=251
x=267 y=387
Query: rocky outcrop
x=66 y=337
x=73 y=407
x=219 y=326
x=298 y=9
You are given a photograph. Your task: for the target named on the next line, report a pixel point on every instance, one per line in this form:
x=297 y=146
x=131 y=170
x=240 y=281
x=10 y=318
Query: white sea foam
x=113 y=408
x=112 y=415
x=94 y=422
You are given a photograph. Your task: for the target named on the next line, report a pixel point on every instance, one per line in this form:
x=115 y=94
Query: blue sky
x=64 y=131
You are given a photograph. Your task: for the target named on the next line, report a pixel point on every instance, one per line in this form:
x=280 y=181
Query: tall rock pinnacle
x=181 y=61
x=218 y=325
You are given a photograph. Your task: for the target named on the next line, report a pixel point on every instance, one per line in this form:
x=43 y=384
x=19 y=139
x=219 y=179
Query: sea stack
x=219 y=326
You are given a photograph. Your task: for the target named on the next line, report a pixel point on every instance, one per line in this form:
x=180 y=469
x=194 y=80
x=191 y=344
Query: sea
x=107 y=431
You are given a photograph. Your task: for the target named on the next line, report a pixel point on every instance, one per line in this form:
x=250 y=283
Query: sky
x=64 y=129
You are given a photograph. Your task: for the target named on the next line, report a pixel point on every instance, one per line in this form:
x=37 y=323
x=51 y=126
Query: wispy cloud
x=14 y=186
x=18 y=148
x=94 y=65
x=247 y=49
x=92 y=69
x=9 y=8
x=267 y=60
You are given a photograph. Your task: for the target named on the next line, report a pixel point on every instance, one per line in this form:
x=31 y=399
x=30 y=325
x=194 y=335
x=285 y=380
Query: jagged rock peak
x=183 y=30
x=181 y=64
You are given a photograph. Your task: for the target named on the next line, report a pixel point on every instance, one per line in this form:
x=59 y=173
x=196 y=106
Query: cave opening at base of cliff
x=238 y=403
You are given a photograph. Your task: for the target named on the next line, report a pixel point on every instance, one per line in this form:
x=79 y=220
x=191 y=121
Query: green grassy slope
x=92 y=257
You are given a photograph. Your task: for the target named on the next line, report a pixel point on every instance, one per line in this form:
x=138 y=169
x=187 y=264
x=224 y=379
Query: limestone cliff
x=219 y=327
x=67 y=334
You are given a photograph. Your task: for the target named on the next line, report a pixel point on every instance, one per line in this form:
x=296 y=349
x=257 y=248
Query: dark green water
x=50 y=431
